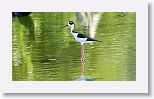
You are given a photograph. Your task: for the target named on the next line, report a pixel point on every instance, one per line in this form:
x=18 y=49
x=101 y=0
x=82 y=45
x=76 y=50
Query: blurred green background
x=43 y=52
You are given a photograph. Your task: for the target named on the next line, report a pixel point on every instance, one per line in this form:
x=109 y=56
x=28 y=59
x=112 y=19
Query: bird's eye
x=70 y=22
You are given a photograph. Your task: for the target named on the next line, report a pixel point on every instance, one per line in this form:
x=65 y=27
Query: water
x=43 y=52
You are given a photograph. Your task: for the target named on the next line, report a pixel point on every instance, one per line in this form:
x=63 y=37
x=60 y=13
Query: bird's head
x=71 y=25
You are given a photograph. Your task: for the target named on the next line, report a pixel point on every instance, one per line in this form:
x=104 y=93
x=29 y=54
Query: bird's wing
x=85 y=37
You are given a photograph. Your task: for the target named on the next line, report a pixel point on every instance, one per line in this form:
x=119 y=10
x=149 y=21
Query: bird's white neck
x=72 y=27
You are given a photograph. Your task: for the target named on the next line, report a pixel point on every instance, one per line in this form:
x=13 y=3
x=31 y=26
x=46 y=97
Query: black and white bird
x=81 y=38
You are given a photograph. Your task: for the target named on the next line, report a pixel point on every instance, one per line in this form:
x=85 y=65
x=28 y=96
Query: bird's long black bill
x=63 y=26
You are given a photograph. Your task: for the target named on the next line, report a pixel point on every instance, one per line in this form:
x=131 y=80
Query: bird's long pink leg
x=82 y=59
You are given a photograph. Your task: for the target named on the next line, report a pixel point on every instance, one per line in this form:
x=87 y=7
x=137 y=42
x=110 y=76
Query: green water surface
x=41 y=51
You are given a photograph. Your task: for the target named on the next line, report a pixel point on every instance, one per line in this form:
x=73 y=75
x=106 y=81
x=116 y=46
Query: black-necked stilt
x=82 y=39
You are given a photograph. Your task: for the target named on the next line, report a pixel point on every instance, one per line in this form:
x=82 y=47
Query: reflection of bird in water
x=26 y=20
x=20 y=14
x=82 y=39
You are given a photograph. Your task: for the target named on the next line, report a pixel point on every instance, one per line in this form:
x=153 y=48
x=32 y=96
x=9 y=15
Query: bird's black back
x=85 y=36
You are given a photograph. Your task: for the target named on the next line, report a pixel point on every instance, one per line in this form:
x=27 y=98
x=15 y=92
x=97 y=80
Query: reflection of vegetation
x=118 y=52
x=29 y=25
x=54 y=54
x=22 y=52
x=89 y=21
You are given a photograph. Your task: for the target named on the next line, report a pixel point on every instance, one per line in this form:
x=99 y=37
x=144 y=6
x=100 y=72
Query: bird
x=81 y=38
